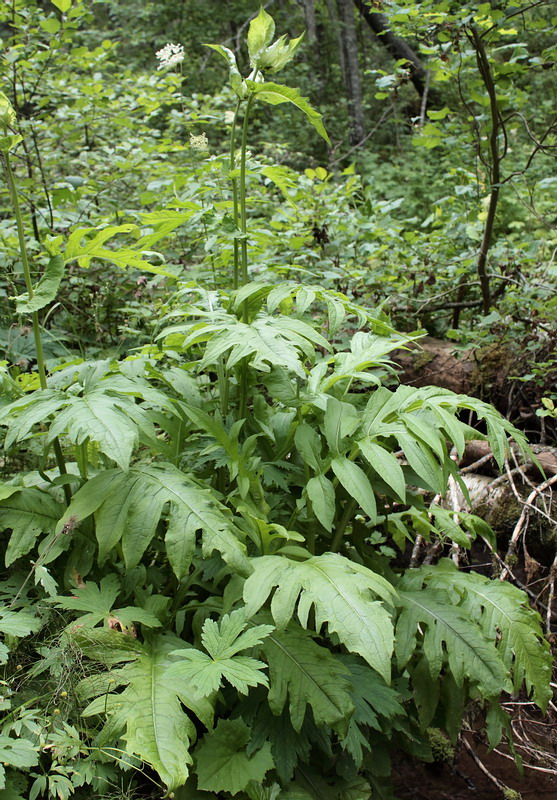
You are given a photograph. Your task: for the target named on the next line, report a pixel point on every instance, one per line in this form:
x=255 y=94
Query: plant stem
x=35 y=314
x=495 y=158
x=243 y=387
x=243 y=215
x=347 y=515
x=232 y=165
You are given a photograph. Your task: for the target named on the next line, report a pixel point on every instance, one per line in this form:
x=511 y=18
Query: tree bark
x=311 y=25
x=397 y=47
x=351 y=70
x=335 y=24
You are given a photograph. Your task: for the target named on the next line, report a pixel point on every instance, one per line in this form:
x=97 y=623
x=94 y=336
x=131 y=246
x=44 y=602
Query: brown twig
x=527 y=506
x=479 y=763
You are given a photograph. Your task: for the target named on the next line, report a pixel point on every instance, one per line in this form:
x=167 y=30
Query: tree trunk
x=351 y=70
x=397 y=47
x=335 y=24
x=311 y=25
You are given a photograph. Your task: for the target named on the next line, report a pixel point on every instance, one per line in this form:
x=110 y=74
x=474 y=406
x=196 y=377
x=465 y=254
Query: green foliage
x=202 y=532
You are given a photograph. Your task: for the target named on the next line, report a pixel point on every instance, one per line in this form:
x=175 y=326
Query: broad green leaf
x=423 y=462
x=321 y=492
x=128 y=507
x=303 y=673
x=18 y=623
x=308 y=444
x=340 y=593
x=355 y=481
x=109 y=421
x=267 y=342
x=223 y=641
x=448 y=633
x=63 y=5
x=223 y=764
x=29 y=512
x=98 y=604
x=84 y=250
x=505 y=617
x=275 y=94
x=386 y=466
x=277 y=56
x=340 y=420
x=18 y=753
x=23 y=414
x=148 y=714
x=235 y=76
x=46 y=289
x=260 y=35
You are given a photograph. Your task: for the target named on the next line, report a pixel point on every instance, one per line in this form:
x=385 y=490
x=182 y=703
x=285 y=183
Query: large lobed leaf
x=27 y=512
x=304 y=673
x=341 y=594
x=128 y=507
x=223 y=641
x=448 y=634
x=506 y=619
x=148 y=714
x=223 y=764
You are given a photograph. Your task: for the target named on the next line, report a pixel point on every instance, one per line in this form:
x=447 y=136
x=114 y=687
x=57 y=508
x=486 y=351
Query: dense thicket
x=236 y=547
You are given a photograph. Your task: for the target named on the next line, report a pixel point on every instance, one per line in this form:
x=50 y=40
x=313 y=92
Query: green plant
x=237 y=491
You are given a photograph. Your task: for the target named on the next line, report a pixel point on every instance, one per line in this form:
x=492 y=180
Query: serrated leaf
x=372 y=698
x=46 y=289
x=98 y=602
x=86 y=249
x=110 y=422
x=128 y=507
x=423 y=462
x=303 y=673
x=386 y=466
x=340 y=421
x=275 y=94
x=356 y=483
x=18 y=753
x=29 y=512
x=277 y=55
x=308 y=444
x=148 y=713
x=260 y=35
x=223 y=641
x=222 y=762
x=18 y=623
x=505 y=617
x=340 y=592
x=448 y=633
x=321 y=492
x=23 y=414
x=267 y=342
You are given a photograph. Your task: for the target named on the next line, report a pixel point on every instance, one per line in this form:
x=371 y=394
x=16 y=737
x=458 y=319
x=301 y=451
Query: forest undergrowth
x=242 y=559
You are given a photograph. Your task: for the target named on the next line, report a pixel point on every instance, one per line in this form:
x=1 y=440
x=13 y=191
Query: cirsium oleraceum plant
x=213 y=521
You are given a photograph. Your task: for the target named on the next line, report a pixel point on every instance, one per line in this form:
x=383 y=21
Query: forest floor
x=464 y=780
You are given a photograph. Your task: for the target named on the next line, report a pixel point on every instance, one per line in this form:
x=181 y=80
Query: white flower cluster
x=199 y=142
x=170 y=55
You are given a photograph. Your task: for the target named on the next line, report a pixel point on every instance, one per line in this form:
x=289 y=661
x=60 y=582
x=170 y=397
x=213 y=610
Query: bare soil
x=464 y=780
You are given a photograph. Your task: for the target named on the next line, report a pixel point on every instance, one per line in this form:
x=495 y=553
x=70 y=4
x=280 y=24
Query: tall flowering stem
x=35 y=314
x=232 y=167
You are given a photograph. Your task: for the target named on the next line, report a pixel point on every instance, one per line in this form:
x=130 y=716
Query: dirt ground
x=464 y=780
